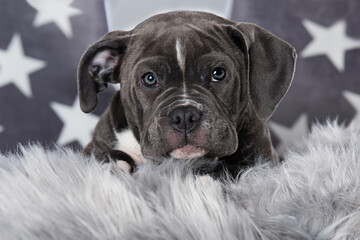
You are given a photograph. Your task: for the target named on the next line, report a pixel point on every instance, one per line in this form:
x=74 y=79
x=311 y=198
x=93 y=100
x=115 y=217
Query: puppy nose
x=185 y=119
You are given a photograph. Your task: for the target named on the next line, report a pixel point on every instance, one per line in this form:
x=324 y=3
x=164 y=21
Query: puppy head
x=189 y=80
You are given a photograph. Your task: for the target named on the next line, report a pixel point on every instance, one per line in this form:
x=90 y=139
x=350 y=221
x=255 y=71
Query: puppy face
x=182 y=86
x=189 y=81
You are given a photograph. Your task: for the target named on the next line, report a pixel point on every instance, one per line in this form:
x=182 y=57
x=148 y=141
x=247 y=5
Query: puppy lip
x=188 y=152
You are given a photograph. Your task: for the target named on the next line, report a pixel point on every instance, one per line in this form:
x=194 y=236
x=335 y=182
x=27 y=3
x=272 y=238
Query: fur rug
x=59 y=194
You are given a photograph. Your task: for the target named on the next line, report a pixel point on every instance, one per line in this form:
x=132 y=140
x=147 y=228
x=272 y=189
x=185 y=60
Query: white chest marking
x=127 y=143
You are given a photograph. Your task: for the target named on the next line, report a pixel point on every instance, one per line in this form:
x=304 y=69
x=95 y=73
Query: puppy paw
x=123 y=160
x=119 y=165
x=123 y=166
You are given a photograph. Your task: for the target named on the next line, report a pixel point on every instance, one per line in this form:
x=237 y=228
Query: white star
x=54 y=11
x=354 y=100
x=290 y=136
x=330 y=41
x=78 y=126
x=15 y=67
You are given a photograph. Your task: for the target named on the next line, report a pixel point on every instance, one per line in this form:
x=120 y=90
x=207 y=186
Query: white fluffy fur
x=59 y=194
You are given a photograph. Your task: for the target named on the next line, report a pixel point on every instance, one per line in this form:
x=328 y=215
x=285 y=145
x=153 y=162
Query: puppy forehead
x=171 y=40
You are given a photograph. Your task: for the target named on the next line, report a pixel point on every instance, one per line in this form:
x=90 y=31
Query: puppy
x=193 y=85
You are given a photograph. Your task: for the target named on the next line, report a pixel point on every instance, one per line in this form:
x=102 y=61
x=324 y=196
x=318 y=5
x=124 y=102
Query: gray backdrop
x=41 y=42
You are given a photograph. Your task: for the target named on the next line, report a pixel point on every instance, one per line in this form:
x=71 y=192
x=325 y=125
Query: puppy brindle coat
x=193 y=85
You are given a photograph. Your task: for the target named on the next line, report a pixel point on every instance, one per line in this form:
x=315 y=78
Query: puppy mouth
x=188 y=152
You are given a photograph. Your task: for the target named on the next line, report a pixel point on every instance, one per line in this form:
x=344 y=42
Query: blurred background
x=41 y=42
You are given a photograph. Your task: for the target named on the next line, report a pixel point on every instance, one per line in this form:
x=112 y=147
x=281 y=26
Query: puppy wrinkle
x=168 y=92
x=184 y=103
x=127 y=143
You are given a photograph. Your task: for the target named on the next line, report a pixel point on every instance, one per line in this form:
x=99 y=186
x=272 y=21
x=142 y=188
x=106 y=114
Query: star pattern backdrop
x=41 y=42
x=326 y=85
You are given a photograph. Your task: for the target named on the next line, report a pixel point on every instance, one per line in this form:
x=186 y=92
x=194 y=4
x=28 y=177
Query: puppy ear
x=270 y=63
x=100 y=65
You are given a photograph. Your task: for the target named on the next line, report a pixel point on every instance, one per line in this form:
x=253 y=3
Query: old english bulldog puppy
x=193 y=85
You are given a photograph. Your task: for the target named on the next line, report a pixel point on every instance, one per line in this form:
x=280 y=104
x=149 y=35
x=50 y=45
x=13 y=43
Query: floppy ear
x=270 y=64
x=100 y=65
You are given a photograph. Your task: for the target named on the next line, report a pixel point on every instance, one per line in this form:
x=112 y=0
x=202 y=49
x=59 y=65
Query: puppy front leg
x=105 y=154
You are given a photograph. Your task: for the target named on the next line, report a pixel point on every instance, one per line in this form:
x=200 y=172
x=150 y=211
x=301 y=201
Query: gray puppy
x=193 y=85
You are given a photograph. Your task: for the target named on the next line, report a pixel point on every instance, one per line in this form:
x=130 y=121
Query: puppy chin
x=188 y=152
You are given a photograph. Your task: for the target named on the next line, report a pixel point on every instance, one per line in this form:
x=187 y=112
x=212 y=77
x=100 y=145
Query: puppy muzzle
x=185 y=116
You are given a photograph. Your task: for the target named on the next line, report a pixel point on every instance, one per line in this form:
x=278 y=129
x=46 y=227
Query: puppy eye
x=149 y=80
x=218 y=74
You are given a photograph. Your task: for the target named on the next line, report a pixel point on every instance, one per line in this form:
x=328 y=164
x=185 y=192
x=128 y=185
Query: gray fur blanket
x=59 y=194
